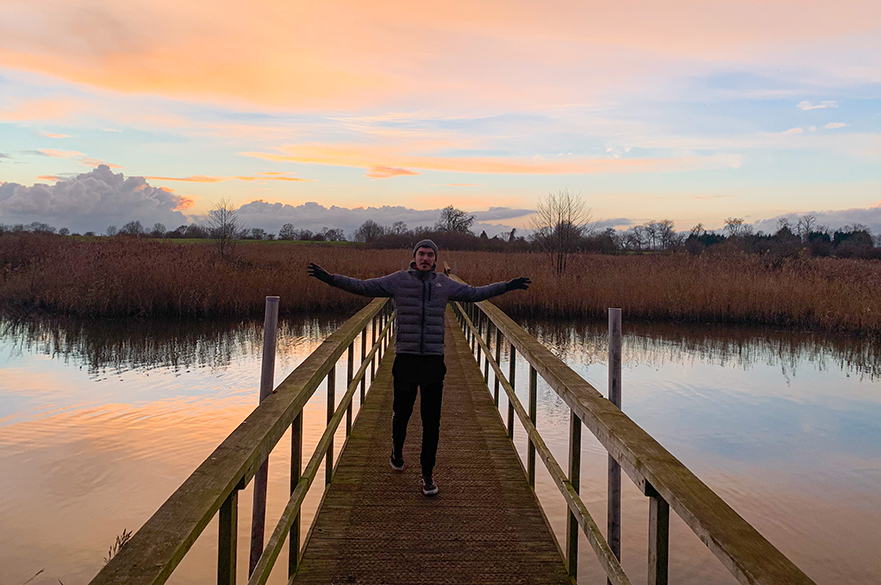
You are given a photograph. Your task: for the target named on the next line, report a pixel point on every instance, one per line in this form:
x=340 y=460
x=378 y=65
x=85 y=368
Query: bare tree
x=667 y=236
x=333 y=234
x=224 y=226
x=454 y=220
x=369 y=231
x=559 y=223
x=287 y=232
x=650 y=230
x=133 y=228
x=806 y=224
x=734 y=226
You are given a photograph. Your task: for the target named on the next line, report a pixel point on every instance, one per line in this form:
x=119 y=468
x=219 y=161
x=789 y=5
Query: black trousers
x=424 y=373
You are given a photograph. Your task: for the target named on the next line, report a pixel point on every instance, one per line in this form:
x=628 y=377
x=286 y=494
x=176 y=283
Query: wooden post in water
x=614 y=493
x=267 y=379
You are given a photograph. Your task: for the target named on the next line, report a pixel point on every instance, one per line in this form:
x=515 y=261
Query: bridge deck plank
x=484 y=526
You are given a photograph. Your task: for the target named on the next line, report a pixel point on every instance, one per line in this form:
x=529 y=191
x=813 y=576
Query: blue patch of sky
x=737 y=102
x=488 y=123
x=744 y=81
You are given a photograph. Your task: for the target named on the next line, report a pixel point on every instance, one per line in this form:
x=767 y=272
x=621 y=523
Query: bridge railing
x=666 y=482
x=152 y=554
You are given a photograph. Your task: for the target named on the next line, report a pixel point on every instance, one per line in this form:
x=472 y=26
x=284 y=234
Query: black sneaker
x=429 y=488
x=396 y=462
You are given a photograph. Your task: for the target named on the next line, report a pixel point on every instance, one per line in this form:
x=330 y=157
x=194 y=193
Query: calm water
x=99 y=423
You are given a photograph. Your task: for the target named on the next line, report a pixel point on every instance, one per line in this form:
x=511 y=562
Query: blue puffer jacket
x=420 y=301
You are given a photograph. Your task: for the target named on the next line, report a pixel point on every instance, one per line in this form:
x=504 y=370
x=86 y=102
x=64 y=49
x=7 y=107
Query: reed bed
x=129 y=277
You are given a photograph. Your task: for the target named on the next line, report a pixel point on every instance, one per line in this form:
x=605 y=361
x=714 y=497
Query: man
x=420 y=295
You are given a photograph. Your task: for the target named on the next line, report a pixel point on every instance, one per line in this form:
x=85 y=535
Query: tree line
x=561 y=226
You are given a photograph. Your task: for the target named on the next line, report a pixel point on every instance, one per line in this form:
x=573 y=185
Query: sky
x=330 y=113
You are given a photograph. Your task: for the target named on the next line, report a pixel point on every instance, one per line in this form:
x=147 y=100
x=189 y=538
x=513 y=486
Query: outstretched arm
x=373 y=287
x=463 y=292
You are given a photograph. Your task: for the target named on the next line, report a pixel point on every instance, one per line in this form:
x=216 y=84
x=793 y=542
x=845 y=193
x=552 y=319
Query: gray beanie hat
x=425 y=244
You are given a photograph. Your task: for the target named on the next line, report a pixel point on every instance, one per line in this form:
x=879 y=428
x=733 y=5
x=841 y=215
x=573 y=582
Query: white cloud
x=497 y=213
x=835 y=125
x=313 y=216
x=806 y=105
x=833 y=219
x=92 y=201
x=794 y=131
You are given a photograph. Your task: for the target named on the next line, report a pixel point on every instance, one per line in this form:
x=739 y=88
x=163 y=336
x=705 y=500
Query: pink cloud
x=209 y=179
x=385 y=162
x=61 y=153
x=350 y=50
x=383 y=172
x=95 y=163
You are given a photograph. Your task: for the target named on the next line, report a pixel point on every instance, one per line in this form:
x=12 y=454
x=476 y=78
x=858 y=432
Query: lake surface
x=101 y=422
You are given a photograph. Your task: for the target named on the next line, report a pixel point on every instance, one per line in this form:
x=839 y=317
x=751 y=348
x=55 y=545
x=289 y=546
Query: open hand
x=521 y=283
x=316 y=271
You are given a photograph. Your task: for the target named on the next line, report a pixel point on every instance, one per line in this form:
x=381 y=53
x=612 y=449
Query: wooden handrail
x=159 y=546
x=292 y=508
x=742 y=549
x=607 y=559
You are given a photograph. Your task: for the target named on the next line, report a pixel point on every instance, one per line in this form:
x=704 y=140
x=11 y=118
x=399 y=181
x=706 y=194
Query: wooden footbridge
x=486 y=525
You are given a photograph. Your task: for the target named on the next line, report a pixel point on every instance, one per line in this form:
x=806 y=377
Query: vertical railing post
x=380 y=324
x=479 y=326
x=350 y=373
x=474 y=319
x=498 y=361
x=614 y=492
x=296 y=466
x=363 y=355
x=331 y=399
x=372 y=343
x=486 y=357
x=530 y=455
x=512 y=371
x=227 y=539
x=572 y=527
x=659 y=537
x=267 y=382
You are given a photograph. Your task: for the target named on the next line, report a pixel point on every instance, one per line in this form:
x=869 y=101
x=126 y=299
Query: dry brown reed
x=128 y=277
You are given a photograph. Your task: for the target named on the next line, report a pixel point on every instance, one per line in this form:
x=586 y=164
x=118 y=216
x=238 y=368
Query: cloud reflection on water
x=101 y=421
